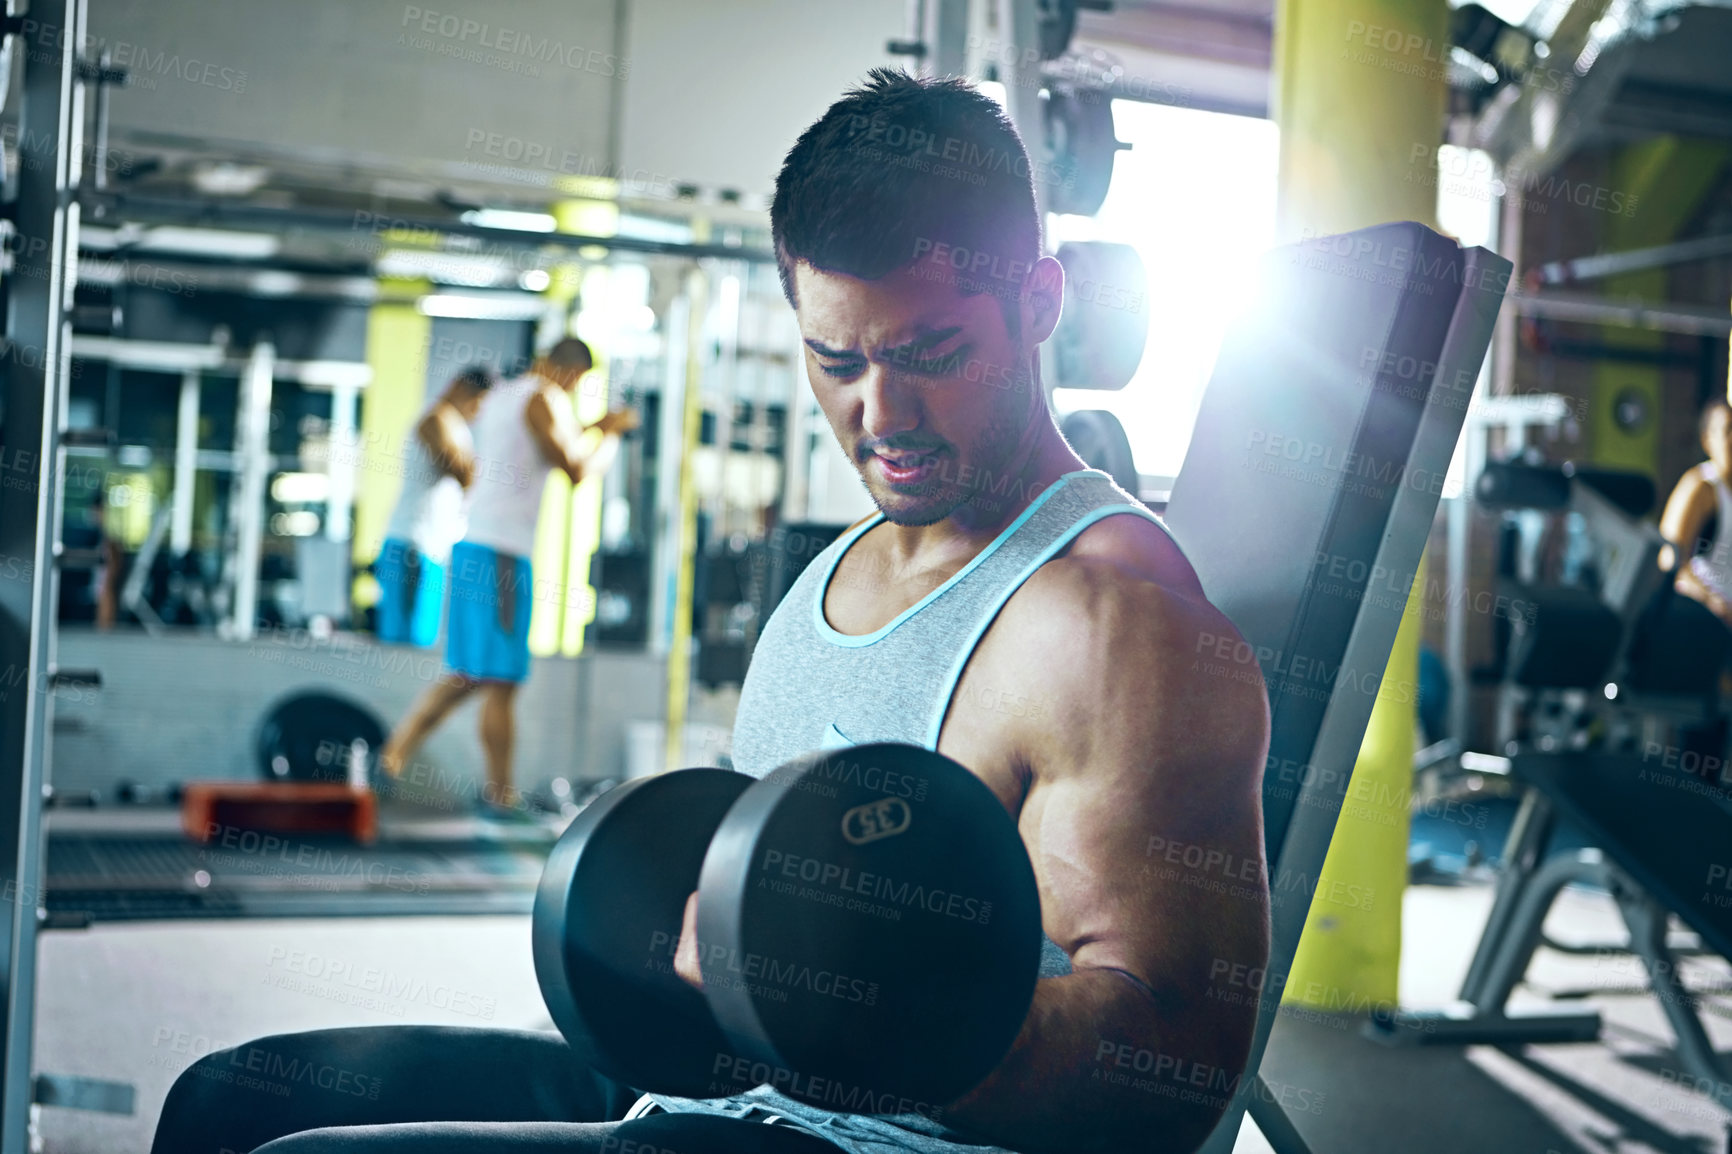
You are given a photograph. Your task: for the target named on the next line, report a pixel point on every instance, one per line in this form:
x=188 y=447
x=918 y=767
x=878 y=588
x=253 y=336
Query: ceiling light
x=510 y=218
x=504 y=307
x=457 y=268
x=224 y=178
x=275 y=283
x=300 y=488
x=209 y=242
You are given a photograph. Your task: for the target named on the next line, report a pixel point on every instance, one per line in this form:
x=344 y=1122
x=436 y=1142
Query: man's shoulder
x=1703 y=476
x=1696 y=492
x=1125 y=595
x=1120 y=565
x=1133 y=600
x=1138 y=547
x=538 y=403
x=1125 y=621
x=1123 y=664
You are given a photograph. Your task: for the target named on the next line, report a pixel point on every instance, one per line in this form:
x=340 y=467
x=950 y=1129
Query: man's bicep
x=1162 y=879
x=437 y=435
x=544 y=430
x=428 y=432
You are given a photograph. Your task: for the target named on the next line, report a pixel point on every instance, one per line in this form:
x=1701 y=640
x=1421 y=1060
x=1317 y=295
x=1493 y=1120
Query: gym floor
x=217 y=983
x=135 y=863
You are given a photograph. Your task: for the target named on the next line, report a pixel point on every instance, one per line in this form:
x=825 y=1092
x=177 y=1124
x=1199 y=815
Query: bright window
x=1195 y=195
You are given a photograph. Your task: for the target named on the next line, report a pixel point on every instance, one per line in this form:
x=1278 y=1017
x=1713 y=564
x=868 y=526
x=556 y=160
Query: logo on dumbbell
x=886 y=817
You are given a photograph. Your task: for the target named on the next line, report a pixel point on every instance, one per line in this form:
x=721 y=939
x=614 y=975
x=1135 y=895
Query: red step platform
x=209 y=810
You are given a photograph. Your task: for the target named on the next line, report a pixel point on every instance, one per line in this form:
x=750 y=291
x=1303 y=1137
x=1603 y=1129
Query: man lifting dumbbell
x=998 y=569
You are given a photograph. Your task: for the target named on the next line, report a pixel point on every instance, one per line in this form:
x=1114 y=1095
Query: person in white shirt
x=429 y=518
x=524 y=430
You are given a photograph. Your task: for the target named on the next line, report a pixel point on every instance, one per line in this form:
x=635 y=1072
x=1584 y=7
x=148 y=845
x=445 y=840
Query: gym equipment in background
x=1599 y=684
x=317 y=736
x=218 y=811
x=1104 y=325
x=1100 y=441
x=1056 y=23
x=1078 y=119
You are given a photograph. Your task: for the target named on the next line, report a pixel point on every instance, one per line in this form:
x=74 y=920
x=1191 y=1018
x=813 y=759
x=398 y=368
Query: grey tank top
x=802 y=693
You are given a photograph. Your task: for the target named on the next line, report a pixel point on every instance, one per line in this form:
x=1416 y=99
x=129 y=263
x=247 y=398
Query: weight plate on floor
x=312 y=736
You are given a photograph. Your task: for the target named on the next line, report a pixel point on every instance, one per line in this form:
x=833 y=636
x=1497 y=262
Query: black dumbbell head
x=606 y=922
x=870 y=929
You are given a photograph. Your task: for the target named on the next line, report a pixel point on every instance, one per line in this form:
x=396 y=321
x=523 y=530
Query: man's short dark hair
x=570 y=353
x=1707 y=415
x=477 y=377
x=898 y=167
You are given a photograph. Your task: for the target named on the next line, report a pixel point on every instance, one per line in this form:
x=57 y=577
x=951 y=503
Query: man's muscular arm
x=1687 y=511
x=443 y=445
x=561 y=443
x=1141 y=750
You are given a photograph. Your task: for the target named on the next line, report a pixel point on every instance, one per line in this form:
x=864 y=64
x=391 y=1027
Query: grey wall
x=719 y=89
x=368 y=77
x=185 y=707
x=711 y=92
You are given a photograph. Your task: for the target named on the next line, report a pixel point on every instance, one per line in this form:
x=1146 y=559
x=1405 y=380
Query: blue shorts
x=411 y=594
x=485 y=587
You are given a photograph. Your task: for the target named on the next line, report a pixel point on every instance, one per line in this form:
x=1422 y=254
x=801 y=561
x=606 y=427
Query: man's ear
x=1042 y=298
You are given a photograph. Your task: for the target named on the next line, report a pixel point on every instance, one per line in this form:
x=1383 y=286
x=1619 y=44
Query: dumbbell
x=868 y=929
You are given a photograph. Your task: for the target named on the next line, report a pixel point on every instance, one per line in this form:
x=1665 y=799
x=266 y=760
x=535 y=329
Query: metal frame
x=38 y=332
x=185 y=357
x=185 y=460
x=247 y=508
x=1631 y=577
x=1697 y=320
x=1272 y=1121
x=212 y=213
x=1515 y=930
x=1514 y=416
x=249 y=462
x=1632 y=260
x=670 y=432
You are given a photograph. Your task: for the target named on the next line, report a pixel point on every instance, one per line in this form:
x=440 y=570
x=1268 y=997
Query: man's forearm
x=1100 y=1064
x=1693 y=587
x=597 y=458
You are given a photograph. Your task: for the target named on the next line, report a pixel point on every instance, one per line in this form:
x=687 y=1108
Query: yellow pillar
x=592 y=212
x=685 y=580
x=1359 y=97
x=1663 y=181
x=569 y=530
x=397 y=342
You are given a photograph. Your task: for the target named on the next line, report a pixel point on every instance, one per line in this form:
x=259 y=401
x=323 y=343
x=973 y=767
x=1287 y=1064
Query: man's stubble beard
x=995 y=445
